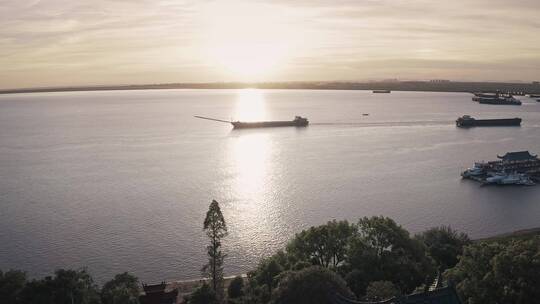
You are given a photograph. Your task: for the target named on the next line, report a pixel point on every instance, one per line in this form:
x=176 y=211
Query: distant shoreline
x=426 y=86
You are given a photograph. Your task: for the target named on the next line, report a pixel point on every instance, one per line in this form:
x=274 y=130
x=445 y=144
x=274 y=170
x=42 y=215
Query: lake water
x=121 y=180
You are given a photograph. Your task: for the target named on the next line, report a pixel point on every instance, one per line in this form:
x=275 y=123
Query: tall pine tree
x=216 y=229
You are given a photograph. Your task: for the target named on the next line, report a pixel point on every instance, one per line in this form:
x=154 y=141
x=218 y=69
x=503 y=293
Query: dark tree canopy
x=67 y=287
x=203 y=295
x=324 y=245
x=381 y=290
x=236 y=288
x=444 y=245
x=12 y=283
x=216 y=229
x=499 y=272
x=313 y=285
x=123 y=289
x=384 y=251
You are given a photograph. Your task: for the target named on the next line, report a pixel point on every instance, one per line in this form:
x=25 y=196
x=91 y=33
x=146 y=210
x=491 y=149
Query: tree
x=235 y=289
x=203 y=295
x=216 y=229
x=313 y=285
x=122 y=289
x=324 y=245
x=267 y=273
x=384 y=251
x=498 y=272
x=67 y=287
x=381 y=290
x=12 y=283
x=444 y=245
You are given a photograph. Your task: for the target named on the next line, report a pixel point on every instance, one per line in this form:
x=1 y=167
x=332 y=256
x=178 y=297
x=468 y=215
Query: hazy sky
x=76 y=42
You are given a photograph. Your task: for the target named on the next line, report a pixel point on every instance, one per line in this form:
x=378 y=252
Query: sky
x=108 y=42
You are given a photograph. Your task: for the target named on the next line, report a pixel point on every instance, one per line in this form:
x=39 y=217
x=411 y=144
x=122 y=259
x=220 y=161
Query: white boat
x=476 y=170
x=510 y=179
x=496 y=178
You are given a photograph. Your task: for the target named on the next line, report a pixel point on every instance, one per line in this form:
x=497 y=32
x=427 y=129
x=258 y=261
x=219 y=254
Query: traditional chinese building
x=158 y=294
x=522 y=162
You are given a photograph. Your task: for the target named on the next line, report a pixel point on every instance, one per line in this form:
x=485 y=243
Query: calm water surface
x=121 y=180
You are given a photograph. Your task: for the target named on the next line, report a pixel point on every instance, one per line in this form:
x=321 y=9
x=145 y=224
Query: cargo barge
x=513 y=168
x=467 y=121
x=298 y=121
x=381 y=91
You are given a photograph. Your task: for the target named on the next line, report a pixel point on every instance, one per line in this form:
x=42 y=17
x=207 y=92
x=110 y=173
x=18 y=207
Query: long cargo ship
x=468 y=121
x=298 y=121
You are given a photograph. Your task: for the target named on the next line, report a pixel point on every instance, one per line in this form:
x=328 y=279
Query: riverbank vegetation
x=371 y=260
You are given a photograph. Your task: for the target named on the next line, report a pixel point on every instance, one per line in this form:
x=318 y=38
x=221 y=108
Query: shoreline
x=424 y=86
x=185 y=287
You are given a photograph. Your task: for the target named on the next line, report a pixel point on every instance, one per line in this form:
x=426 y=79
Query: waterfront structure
x=158 y=294
x=513 y=168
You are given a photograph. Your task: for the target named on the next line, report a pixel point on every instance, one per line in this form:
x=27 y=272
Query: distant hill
x=520 y=234
x=433 y=86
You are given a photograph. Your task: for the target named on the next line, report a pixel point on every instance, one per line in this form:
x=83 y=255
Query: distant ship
x=501 y=101
x=382 y=91
x=534 y=95
x=298 y=121
x=468 y=121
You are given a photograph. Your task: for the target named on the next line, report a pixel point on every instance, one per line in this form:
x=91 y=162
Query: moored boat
x=500 y=101
x=382 y=91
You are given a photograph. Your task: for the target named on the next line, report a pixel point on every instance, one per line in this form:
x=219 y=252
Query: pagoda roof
x=517 y=156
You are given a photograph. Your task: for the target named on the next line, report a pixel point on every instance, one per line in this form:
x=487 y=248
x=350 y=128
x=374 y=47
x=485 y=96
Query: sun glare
x=246 y=41
x=250 y=106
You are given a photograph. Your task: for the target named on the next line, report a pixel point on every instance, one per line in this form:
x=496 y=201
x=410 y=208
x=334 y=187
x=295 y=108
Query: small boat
x=476 y=170
x=365 y=114
x=538 y=100
x=382 y=91
x=298 y=121
x=495 y=178
x=486 y=95
x=468 y=121
x=534 y=95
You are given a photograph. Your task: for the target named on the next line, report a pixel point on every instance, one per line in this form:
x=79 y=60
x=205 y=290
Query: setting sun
x=248 y=42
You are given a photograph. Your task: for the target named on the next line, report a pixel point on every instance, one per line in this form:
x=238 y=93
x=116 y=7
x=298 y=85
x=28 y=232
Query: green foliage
x=235 y=289
x=123 y=289
x=313 y=285
x=67 y=287
x=323 y=245
x=267 y=273
x=499 y=272
x=384 y=251
x=216 y=229
x=444 y=245
x=203 y=295
x=381 y=290
x=12 y=283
